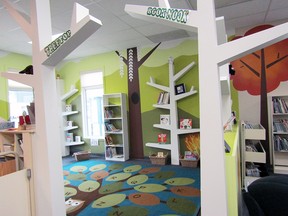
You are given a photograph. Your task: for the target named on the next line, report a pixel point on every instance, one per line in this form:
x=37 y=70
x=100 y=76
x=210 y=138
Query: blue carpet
x=99 y=187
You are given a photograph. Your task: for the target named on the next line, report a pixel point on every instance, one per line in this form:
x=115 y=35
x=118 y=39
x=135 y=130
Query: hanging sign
x=172 y=14
x=54 y=45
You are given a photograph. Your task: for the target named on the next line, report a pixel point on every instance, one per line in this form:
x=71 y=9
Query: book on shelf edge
x=185 y=123
x=165 y=119
x=162 y=138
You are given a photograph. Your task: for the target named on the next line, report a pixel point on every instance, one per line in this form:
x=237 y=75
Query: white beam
x=238 y=48
x=82 y=27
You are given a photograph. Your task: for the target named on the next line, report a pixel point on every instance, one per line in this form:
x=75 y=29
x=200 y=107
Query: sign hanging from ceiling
x=172 y=14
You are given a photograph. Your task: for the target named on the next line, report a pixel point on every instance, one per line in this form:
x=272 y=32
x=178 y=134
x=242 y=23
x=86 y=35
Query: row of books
x=108 y=113
x=279 y=105
x=110 y=127
x=280 y=143
x=252 y=170
x=164 y=98
x=249 y=125
x=280 y=125
x=113 y=152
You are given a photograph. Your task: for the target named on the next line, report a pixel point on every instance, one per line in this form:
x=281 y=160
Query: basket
x=189 y=163
x=158 y=160
x=81 y=155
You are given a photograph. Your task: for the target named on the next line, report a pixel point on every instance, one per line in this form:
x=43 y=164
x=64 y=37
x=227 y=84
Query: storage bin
x=82 y=155
x=158 y=160
x=189 y=163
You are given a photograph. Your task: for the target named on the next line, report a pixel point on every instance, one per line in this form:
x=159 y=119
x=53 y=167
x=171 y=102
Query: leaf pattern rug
x=99 y=187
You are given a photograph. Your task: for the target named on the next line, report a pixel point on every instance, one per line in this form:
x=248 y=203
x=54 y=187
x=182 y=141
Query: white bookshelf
x=115 y=112
x=173 y=128
x=279 y=133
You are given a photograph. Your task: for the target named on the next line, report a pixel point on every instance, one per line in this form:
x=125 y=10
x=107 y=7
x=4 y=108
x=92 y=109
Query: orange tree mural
x=260 y=73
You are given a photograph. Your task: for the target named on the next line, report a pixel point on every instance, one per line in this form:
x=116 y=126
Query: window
x=19 y=97
x=92 y=104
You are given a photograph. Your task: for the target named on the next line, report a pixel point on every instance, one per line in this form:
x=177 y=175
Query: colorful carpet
x=99 y=187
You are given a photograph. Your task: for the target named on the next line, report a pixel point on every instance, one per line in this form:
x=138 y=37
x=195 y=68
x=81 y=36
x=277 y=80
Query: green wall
x=183 y=52
x=9 y=61
x=156 y=65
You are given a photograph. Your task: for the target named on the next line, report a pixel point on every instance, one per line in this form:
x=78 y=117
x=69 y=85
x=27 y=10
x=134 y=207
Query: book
x=162 y=138
x=185 y=123
x=160 y=98
x=109 y=140
x=166 y=98
x=165 y=119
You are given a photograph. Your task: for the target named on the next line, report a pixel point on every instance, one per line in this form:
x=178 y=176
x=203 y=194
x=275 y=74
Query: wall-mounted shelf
x=65 y=146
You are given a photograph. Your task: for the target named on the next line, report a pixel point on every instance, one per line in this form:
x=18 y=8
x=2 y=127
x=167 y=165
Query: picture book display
x=162 y=138
x=165 y=119
x=185 y=123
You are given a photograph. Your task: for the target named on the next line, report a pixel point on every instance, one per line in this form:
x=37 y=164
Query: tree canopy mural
x=262 y=72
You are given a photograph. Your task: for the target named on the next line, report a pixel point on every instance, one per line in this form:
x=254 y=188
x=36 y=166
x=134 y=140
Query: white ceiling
x=121 y=31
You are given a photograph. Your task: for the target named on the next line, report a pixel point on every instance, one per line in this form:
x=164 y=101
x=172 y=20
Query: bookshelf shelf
x=172 y=107
x=115 y=116
x=73 y=143
x=160 y=146
x=69 y=113
x=69 y=94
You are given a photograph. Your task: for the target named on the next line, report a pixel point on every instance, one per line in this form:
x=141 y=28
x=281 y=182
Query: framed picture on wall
x=180 y=89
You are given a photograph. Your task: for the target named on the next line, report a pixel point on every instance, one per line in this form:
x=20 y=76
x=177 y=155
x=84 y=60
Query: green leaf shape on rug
x=150 y=188
x=144 y=199
x=79 y=169
x=66 y=182
x=116 y=167
x=118 y=176
x=136 y=180
x=180 y=181
x=164 y=175
x=133 y=168
x=99 y=175
x=89 y=186
x=69 y=191
x=109 y=200
x=129 y=211
x=185 y=191
x=97 y=167
x=78 y=176
x=111 y=188
x=150 y=170
x=181 y=205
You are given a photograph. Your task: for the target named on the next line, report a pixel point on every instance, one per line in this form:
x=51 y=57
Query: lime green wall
x=9 y=61
x=156 y=65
